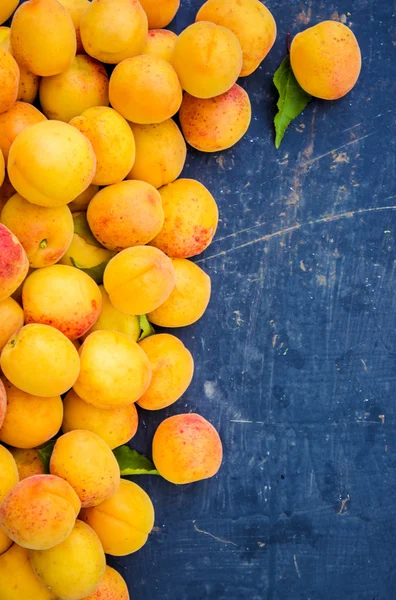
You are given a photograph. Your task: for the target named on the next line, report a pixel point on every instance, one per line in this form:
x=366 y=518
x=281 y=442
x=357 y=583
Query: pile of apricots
x=97 y=230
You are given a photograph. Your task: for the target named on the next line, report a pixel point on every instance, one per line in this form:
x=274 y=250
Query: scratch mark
x=343 y=504
x=213 y=536
x=312 y=160
x=239 y=421
x=364 y=365
x=296 y=566
x=382 y=417
x=353 y=127
x=261 y=544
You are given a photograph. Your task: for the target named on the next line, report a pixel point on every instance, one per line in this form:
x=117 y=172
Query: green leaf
x=292 y=99
x=146 y=327
x=82 y=229
x=45 y=453
x=133 y=463
x=95 y=272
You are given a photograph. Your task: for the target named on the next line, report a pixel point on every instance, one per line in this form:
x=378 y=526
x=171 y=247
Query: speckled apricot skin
x=76 y=9
x=187 y=448
x=218 y=123
x=11 y=319
x=9 y=80
x=15 y=120
x=111 y=587
x=326 y=60
x=14 y=263
x=18 y=580
x=160 y=42
x=191 y=217
x=160 y=12
x=39 y=512
x=28 y=462
x=64 y=297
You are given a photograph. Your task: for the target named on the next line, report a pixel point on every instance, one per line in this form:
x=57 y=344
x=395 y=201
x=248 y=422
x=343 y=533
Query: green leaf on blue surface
x=133 y=463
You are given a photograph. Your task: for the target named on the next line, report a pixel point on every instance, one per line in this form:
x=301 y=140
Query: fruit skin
x=74 y=568
x=11 y=319
x=6 y=191
x=161 y=43
x=139 y=279
x=160 y=153
x=84 y=249
x=83 y=85
x=63 y=297
x=28 y=81
x=124 y=521
x=86 y=462
x=215 y=124
x=39 y=27
x=326 y=60
x=40 y=344
x=9 y=80
x=160 y=12
x=9 y=476
x=39 y=512
x=115 y=372
x=2 y=168
x=111 y=318
x=173 y=368
x=189 y=299
x=81 y=202
x=45 y=233
x=3 y=404
x=126 y=214
x=28 y=462
x=51 y=163
x=30 y=420
x=15 y=120
x=18 y=579
x=191 y=217
x=145 y=89
x=111 y=587
x=207 y=59
x=114 y=30
x=76 y=9
x=14 y=263
x=6 y=9
x=115 y=426
x=187 y=448
x=252 y=23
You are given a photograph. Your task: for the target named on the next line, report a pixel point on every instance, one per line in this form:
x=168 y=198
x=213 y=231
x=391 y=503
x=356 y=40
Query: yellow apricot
x=11 y=319
x=3 y=404
x=14 y=263
x=42 y=345
x=161 y=43
x=187 y=448
x=113 y=30
x=326 y=60
x=7 y=8
x=115 y=372
x=173 y=368
x=83 y=85
x=115 y=426
x=160 y=12
x=214 y=124
x=30 y=420
x=145 y=89
x=124 y=521
x=45 y=233
x=111 y=318
x=9 y=80
x=160 y=153
x=252 y=23
x=207 y=59
x=18 y=580
x=139 y=279
x=73 y=569
x=9 y=473
x=76 y=9
x=111 y=587
x=15 y=120
x=84 y=250
x=28 y=462
x=189 y=299
x=43 y=37
x=191 y=217
x=28 y=81
x=82 y=201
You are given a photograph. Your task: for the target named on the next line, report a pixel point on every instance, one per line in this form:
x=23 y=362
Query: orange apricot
x=160 y=12
x=160 y=42
x=15 y=120
x=76 y=9
x=111 y=587
x=9 y=80
x=11 y=319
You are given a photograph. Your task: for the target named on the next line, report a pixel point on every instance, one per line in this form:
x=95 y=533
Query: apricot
x=81 y=202
x=115 y=372
x=111 y=587
x=216 y=124
x=28 y=462
x=43 y=37
x=115 y=426
x=326 y=60
x=252 y=23
x=113 y=30
x=3 y=404
x=18 y=579
x=124 y=521
x=9 y=80
x=161 y=43
x=15 y=120
x=160 y=12
x=7 y=8
x=42 y=345
x=28 y=81
x=160 y=153
x=126 y=214
x=84 y=250
x=187 y=448
x=191 y=217
x=51 y=163
x=207 y=59
x=73 y=569
x=2 y=168
x=83 y=85
x=11 y=319
x=45 y=233
x=111 y=318
x=145 y=89
x=39 y=512
x=14 y=263
x=173 y=368
x=139 y=279
x=86 y=462
x=30 y=420
x=6 y=191
x=76 y=9
x=189 y=299
x=8 y=473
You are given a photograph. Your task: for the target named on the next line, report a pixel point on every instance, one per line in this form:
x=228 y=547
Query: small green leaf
x=95 y=272
x=133 y=463
x=146 y=327
x=45 y=453
x=292 y=99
